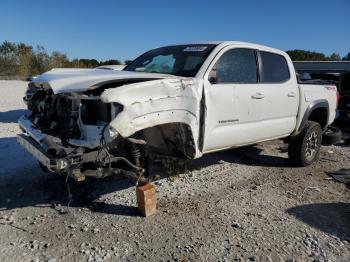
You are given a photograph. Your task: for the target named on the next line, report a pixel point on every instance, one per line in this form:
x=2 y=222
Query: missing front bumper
x=51 y=163
x=75 y=161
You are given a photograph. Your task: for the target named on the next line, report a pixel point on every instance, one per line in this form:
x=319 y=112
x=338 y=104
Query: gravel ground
x=244 y=204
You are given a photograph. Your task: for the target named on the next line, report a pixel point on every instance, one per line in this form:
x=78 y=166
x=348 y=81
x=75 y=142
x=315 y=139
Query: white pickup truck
x=178 y=101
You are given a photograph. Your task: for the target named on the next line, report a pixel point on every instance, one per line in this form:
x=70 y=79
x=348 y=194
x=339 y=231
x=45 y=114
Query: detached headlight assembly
x=110 y=134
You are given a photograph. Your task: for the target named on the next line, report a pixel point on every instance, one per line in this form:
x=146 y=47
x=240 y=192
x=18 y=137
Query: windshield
x=180 y=60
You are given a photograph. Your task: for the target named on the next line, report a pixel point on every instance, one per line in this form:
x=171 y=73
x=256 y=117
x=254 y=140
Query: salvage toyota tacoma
x=178 y=101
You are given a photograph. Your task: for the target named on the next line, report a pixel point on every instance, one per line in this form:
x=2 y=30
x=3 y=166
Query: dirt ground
x=245 y=204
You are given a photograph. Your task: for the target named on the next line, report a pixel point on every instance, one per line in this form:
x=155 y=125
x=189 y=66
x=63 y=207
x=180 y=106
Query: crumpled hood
x=67 y=80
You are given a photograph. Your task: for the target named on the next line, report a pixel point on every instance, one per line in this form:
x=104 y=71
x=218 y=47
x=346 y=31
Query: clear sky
x=124 y=29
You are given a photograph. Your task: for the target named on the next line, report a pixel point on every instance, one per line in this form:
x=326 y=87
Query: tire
x=304 y=148
x=331 y=136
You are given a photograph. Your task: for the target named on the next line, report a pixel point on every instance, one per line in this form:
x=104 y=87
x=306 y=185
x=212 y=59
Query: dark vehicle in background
x=343 y=113
x=333 y=72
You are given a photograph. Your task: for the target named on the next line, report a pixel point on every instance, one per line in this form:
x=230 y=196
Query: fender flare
x=321 y=103
x=153 y=119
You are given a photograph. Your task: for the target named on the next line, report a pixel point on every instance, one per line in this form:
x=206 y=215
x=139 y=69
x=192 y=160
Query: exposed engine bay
x=59 y=114
x=74 y=133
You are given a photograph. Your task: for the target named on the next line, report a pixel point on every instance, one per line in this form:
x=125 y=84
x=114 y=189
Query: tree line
x=302 y=55
x=18 y=60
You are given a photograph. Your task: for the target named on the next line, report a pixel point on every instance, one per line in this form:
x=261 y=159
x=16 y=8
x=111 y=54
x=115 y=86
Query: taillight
x=333 y=88
x=337 y=98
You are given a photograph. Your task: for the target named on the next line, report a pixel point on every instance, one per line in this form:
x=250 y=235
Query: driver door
x=232 y=100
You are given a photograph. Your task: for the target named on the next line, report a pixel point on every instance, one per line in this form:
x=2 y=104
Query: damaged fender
x=157 y=102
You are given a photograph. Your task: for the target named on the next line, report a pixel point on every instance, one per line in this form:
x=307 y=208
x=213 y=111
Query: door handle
x=291 y=94
x=258 y=96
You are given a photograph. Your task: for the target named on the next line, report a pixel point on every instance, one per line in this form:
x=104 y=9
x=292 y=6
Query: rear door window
x=274 y=68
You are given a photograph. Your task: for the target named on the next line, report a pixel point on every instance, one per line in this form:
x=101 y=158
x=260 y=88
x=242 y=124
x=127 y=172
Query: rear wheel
x=304 y=148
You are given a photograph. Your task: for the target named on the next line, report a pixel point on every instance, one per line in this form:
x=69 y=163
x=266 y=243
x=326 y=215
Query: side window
x=274 y=68
x=237 y=66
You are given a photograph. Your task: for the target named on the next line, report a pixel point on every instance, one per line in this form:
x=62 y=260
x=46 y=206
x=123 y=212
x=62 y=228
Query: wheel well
x=319 y=115
x=173 y=139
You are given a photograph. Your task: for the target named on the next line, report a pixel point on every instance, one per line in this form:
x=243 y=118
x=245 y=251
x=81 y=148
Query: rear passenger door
x=280 y=95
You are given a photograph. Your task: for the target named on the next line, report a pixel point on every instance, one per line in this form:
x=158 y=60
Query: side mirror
x=212 y=76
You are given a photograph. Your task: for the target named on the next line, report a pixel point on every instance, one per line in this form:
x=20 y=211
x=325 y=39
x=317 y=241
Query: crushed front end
x=69 y=133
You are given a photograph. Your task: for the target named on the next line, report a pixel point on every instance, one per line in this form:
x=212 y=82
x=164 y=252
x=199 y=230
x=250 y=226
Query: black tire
x=331 y=136
x=304 y=148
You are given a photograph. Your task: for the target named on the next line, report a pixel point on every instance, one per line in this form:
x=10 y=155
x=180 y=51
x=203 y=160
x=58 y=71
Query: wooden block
x=146 y=199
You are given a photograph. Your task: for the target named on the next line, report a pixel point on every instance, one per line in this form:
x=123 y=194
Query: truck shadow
x=12 y=115
x=121 y=210
x=34 y=188
x=248 y=155
x=23 y=184
x=331 y=218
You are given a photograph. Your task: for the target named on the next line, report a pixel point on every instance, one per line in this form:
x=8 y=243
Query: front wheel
x=304 y=148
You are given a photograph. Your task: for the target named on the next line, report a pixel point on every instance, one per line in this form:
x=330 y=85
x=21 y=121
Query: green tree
x=128 y=62
x=25 y=57
x=8 y=59
x=302 y=55
x=75 y=63
x=111 y=62
x=58 y=60
x=88 y=63
x=334 y=57
x=41 y=61
x=347 y=57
